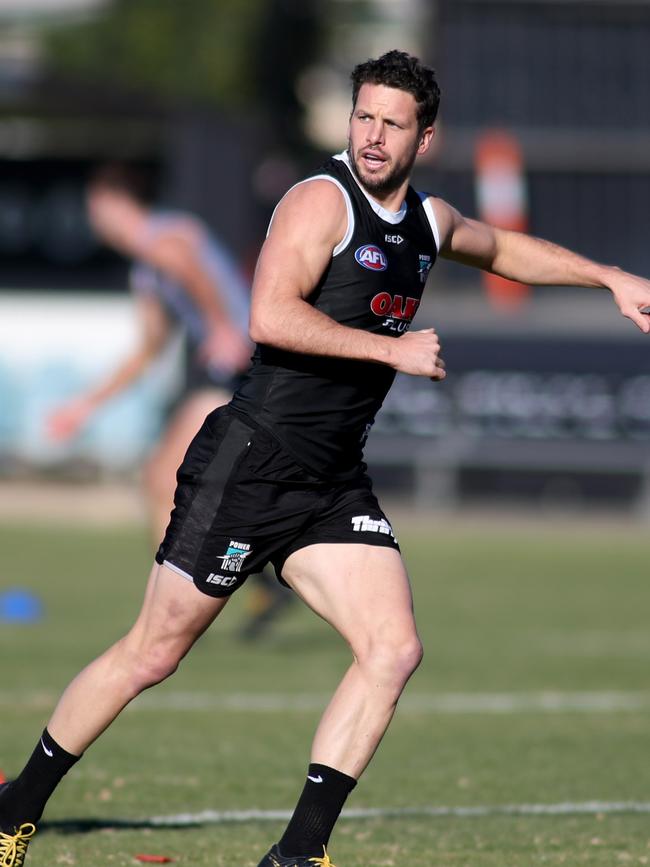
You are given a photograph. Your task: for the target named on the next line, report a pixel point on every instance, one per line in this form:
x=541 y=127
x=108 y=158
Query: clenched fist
x=418 y=353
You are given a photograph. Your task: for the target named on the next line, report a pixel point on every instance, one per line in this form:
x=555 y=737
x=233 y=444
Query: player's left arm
x=536 y=261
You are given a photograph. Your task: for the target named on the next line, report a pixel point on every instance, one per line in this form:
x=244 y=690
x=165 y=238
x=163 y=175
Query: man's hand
x=67 y=421
x=418 y=353
x=632 y=295
x=226 y=349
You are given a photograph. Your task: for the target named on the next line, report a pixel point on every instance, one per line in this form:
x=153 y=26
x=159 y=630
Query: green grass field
x=534 y=690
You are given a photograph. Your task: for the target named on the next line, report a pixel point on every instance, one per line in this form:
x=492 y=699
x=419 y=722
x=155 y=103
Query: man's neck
x=391 y=208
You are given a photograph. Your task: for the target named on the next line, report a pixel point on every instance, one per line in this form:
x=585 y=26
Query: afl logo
x=371 y=257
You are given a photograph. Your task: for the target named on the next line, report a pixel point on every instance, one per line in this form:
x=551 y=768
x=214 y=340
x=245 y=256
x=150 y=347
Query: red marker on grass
x=153 y=859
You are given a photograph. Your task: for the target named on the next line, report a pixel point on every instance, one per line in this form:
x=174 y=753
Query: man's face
x=115 y=216
x=384 y=139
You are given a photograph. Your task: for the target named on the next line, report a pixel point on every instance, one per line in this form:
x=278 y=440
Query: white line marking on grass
x=433 y=703
x=464 y=703
x=218 y=817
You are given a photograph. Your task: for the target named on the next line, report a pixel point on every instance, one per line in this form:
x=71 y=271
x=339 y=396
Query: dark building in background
x=570 y=79
x=54 y=132
x=554 y=413
x=199 y=135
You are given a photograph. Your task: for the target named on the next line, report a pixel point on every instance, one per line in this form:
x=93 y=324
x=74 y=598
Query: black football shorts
x=242 y=501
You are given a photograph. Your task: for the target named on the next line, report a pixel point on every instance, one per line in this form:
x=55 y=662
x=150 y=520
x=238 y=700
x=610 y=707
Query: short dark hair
x=404 y=72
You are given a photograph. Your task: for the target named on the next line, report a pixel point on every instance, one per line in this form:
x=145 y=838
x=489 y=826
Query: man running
x=278 y=476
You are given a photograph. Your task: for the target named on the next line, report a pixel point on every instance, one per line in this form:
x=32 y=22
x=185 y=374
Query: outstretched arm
x=308 y=224
x=537 y=262
x=69 y=419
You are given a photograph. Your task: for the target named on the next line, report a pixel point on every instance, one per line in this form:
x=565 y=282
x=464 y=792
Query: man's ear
x=425 y=139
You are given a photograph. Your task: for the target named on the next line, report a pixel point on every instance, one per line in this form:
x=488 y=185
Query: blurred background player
x=183 y=278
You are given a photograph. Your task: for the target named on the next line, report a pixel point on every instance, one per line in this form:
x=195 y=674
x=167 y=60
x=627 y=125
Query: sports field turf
x=534 y=692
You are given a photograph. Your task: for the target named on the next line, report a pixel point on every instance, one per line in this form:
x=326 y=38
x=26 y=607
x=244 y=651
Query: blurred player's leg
x=265 y=602
x=266 y=597
x=160 y=470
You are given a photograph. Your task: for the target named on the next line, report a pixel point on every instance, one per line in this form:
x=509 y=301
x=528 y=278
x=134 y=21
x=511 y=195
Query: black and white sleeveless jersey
x=321 y=408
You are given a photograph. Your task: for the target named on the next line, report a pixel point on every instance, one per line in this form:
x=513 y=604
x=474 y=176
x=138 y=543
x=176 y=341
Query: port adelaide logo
x=235 y=555
x=371 y=257
x=424 y=266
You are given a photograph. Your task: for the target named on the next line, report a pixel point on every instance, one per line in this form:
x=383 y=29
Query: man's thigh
x=362 y=590
x=174 y=611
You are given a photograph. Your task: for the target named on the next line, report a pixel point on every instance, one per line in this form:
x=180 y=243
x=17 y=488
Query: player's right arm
x=307 y=225
x=175 y=253
x=71 y=417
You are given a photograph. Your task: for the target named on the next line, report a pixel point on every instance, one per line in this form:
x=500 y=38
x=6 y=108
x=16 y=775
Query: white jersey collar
x=393 y=217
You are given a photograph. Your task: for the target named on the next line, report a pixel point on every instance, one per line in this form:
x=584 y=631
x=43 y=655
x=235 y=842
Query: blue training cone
x=20 y=606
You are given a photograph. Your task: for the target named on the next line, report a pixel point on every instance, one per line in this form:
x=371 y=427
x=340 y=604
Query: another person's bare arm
x=175 y=253
x=69 y=419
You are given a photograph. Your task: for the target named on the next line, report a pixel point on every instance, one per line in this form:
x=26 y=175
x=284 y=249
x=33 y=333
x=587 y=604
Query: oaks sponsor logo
x=396 y=311
x=371 y=257
x=396 y=306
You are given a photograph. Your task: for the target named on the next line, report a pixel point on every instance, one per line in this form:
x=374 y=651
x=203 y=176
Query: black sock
x=25 y=798
x=317 y=810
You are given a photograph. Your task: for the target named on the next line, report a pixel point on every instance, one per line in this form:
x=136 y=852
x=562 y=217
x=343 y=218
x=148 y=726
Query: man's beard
x=383 y=186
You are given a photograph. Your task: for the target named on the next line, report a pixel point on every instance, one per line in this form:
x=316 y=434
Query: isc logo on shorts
x=371 y=257
x=221 y=580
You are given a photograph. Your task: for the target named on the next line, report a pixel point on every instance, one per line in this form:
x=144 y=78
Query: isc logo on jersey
x=371 y=257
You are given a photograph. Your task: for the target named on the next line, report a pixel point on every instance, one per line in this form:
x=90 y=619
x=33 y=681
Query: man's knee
x=157 y=665
x=393 y=657
x=408 y=655
x=145 y=667
x=413 y=653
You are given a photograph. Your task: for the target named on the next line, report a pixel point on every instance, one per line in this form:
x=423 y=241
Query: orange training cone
x=501 y=195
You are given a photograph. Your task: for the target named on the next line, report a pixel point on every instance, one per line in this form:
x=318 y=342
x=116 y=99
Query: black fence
x=531 y=417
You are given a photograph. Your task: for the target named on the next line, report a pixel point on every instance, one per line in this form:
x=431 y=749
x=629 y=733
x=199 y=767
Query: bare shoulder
x=305 y=229
x=315 y=190
x=447 y=218
x=314 y=207
x=463 y=239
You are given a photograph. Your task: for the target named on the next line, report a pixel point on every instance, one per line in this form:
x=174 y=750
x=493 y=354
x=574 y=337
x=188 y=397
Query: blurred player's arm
x=176 y=254
x=71 y=417
x=307 y=225
x=536 y=262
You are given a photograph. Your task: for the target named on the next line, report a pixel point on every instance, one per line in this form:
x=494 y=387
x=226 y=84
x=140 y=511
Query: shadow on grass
x=88 y=825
